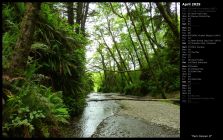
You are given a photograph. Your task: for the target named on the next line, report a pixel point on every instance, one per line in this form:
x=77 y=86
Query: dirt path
x=141 y=119
x=162 y=113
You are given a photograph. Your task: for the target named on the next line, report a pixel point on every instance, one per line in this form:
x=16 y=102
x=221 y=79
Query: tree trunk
x=79 y=16
x=116 y=47
x=176 y=16
x=137 y=34
x=133 y=44
x=151 y=41
x=24 y=41
x=84 y=18
x=70 y=13
x=131 y=57
x=145 y=53
x=152 y=24
x=113 y=56
x=169 y=20
x=103 y=62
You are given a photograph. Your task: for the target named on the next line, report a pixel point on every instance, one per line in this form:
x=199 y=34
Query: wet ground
x=94 y=113
x=128 y=126
x=103 y=119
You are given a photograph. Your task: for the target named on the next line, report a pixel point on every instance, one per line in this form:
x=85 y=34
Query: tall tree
x=99 y=49
x=150 y=39
x=116 y=47
x=84 y=17
x=137 y=34
x=70 y=13
x=130 y=36
x=165 y=12
x=120 y=68
x=25 y=39
x=79 y=16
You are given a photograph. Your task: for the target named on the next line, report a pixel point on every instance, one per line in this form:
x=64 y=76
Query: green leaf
x=68 y=69
x=31 y=116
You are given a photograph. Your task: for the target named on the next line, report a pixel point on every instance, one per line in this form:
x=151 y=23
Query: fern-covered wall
x=50 y=84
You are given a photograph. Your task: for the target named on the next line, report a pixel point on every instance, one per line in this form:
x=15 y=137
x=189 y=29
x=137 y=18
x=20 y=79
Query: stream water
x=100 y=119
x=94 y=113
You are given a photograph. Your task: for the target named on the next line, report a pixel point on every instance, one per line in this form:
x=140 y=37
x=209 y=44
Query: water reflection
x=94 y=113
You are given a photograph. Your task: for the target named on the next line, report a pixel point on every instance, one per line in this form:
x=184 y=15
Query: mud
x=128 y=126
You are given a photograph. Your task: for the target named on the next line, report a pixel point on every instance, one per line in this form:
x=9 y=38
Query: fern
x=33 y=104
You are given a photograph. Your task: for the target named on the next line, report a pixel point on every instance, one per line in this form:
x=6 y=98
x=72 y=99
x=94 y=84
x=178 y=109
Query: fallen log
x=135 y=99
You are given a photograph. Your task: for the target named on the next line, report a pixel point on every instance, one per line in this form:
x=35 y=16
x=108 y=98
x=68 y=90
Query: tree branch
x=168 y=19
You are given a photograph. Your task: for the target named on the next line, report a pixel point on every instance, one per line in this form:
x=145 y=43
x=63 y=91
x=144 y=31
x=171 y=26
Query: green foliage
x=148 y=47
x=114 y=82
x=96 y=77
x=61 y=54
x=32 y=105
x=54 y=84
x=9 y=41
x=10 y=33
x=133 y=89
x=11 y=16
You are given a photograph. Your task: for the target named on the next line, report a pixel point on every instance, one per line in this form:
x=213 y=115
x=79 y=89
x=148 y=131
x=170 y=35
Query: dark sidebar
x=201 y=68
